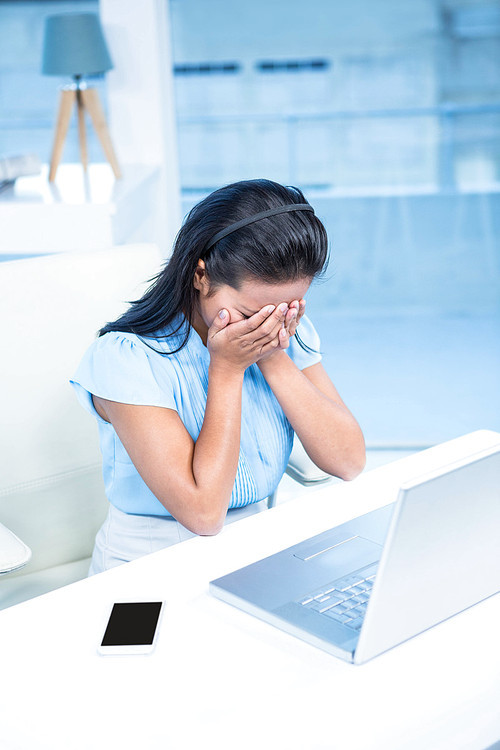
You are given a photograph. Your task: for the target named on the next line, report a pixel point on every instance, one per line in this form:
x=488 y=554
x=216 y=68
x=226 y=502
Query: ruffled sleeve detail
x=120 y=367
x=308 y=334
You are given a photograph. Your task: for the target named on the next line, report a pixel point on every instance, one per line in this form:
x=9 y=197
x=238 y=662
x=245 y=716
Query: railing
x=446 y=115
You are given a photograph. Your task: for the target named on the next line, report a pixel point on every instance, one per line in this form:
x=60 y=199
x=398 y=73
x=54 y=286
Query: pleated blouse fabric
x=123 y=367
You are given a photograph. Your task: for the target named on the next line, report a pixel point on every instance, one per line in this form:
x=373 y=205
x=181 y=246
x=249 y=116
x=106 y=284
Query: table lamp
x=74 y=45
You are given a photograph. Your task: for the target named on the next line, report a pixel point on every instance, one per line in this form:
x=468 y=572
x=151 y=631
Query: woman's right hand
x=239 y=345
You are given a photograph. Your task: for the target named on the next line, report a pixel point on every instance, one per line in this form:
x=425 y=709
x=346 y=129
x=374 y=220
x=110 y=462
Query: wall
x=386 y=114
x=29 y=100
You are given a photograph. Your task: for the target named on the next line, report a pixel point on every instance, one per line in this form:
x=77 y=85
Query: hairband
x=256 y=217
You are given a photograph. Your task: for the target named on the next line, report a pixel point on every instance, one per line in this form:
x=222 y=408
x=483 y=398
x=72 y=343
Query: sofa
x=51 y=488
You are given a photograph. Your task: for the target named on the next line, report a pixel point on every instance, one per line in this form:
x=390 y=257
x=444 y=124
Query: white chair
x=302 y=470
x=14 y=553
x=51 y=488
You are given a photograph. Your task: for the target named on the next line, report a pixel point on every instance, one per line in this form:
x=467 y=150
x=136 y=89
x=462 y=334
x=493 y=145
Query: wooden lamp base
x=86 y=99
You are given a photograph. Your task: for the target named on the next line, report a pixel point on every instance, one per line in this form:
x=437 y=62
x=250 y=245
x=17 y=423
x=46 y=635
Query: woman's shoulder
x=117 y=349
x=159 y=343
x=128 y=368
x=115 y=340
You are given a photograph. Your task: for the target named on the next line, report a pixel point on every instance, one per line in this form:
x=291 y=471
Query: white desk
x=223 y=679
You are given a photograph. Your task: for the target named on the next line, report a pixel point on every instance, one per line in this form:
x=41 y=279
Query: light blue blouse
x=122 y=367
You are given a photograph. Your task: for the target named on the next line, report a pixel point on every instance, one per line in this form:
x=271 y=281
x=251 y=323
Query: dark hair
x=277 y=249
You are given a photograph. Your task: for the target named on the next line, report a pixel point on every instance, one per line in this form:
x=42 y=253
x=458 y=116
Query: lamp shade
x=74 y=45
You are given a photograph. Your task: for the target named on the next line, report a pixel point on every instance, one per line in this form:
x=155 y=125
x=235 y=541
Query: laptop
x=367 y=585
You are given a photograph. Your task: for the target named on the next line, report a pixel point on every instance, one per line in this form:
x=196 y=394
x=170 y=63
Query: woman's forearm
x=326 y=428
x=216 y=452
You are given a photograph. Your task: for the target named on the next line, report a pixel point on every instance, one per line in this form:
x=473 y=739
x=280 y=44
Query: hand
x=239 y=345
x=295 y=311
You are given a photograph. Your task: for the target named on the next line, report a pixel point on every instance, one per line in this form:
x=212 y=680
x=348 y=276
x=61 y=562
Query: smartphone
x=132 y=628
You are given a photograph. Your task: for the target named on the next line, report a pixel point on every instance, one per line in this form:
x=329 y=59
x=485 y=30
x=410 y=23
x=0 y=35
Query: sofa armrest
x=302 y=469
x=14 y=553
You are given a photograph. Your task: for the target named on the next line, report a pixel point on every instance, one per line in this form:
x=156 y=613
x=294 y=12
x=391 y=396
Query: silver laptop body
x=363 y=587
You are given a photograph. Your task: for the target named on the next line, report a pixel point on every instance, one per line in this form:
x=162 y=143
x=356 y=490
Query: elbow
x=207 y=523
x=355 y=461
x=349 y=474
x=353 y=468
x=348 y=460
x=209 y=529
x=198 y=513
x=347 y=468
x=351 y=464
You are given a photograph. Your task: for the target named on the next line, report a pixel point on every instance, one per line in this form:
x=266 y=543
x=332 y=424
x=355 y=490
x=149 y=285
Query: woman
x=200 y=385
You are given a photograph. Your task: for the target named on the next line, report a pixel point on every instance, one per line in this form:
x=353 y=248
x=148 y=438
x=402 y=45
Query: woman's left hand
x=296 y=310
x=293 y=315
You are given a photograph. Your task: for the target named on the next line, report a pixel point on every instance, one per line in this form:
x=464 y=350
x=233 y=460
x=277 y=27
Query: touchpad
x=354 y=553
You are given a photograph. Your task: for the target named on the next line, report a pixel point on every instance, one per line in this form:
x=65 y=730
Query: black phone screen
x=132 y=624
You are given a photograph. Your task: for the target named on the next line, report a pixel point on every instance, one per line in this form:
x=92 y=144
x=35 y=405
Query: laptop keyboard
x=345 y=599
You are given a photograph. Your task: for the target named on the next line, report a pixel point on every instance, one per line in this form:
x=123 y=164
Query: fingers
x=285 y=316
x=284 y=338
x=269 y=317
x=295 y=312
x=278 y=342
x=264 y=327
x=270 y=327
x=220 y=321
x=291 y=316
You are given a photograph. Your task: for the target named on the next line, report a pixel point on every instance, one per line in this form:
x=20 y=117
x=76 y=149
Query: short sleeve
x=120 y=367
x=308 y=334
